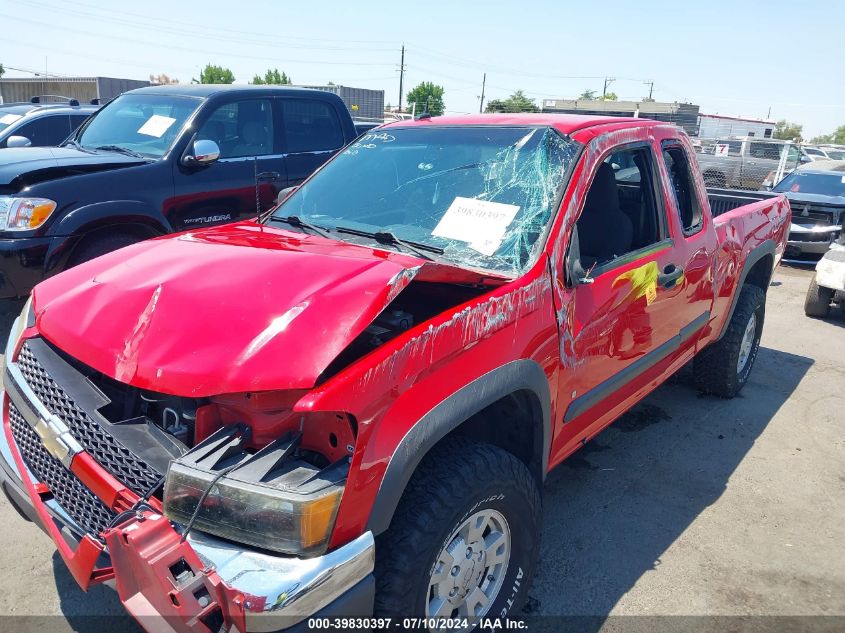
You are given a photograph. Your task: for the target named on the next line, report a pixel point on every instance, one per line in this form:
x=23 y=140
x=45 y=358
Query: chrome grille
x=102 y=446
x=81 y=504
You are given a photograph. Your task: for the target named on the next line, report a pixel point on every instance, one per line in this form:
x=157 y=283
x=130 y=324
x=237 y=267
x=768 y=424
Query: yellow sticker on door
x=643 y=282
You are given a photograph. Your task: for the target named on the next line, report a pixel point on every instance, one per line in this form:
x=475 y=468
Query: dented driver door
x=622 y=328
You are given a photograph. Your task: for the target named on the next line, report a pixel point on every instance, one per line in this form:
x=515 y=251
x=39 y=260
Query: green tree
x=517 y=102
x=610 y=96
x=837 y=137
x=272 y=78
x=215 y=75
x=2 y=70
x=587 y=95
x=428 y=97
x=787 y=131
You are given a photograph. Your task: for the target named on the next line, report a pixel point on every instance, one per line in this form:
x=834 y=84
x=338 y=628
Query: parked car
x=834 y=152
x=816 y=193
x=349 y=405
x=747 y=163
x=158 y=160
x=827 y=287
x=40 y=124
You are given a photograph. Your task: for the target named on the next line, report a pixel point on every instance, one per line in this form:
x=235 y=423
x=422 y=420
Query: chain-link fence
x=754 y=164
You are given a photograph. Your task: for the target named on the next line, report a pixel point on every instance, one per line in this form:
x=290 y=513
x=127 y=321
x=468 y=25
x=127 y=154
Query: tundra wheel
x=92 y=248
x=723 y=368
x=817 y=302
x=463 y=542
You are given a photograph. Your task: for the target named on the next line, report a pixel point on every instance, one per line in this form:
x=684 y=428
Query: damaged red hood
x=229 y=309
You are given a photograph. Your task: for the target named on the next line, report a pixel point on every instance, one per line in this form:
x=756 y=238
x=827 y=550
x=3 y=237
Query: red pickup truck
x=349 y=406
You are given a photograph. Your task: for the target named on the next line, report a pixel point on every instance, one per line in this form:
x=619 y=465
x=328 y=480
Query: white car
x=828 y=284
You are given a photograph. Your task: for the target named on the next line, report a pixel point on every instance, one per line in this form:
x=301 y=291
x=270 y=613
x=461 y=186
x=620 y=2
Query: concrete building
x=682 y=114
x=83 y=89
x=363 y=104
x=720 y=126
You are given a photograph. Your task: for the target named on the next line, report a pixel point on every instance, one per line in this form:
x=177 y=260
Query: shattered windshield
x=478 y=196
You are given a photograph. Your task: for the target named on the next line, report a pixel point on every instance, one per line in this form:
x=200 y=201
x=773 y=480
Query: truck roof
x=207 y=90
x=565 y=123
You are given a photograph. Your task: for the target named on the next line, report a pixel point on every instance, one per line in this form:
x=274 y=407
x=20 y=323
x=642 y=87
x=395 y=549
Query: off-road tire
x=715 y=367
x=454 y=481
x=94 y=247
x=817 y=303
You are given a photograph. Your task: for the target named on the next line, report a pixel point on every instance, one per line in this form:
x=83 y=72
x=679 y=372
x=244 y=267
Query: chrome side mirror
x=204 y=152
x=18 y=141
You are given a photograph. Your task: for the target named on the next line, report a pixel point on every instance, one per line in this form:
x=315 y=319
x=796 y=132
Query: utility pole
x=607 y=82
x=401 y=76
x=483 y=85
x=650 y=85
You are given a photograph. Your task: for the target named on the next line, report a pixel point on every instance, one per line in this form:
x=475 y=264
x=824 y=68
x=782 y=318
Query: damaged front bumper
x=195 y=585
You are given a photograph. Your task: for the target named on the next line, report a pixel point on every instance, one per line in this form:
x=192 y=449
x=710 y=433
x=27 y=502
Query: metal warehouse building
x=363 y=103
x=682 y=114
x=82 y=89
x=718 y=126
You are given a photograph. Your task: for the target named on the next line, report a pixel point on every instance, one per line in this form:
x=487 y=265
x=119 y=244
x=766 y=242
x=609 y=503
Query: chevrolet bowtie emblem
x=56 y=438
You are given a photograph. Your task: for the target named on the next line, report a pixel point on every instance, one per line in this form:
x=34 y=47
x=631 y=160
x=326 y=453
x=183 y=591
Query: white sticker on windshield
x=8 y=119
x=480 y=223
x=156 y=125
x=843 y=180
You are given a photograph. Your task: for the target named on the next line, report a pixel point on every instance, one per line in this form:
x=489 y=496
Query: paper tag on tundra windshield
x=8 y=119
x=480 y=223
x=156 y=125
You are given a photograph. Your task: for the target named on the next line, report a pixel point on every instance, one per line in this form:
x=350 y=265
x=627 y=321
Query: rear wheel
x=95 y=246
x=723 y=368
x=817 y=302
x=463 y=542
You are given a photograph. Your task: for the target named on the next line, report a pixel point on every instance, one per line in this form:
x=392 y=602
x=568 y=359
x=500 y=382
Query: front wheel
x=817 y=302
x=723 y=368
x=464 y=540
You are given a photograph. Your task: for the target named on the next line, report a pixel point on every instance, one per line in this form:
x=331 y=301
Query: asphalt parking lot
x=688 y=505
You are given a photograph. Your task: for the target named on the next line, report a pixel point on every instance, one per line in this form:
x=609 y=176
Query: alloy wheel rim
x=471 y=568
x=747 y=344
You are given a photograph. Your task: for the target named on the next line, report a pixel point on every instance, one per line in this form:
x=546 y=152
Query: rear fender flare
x=765 y=248
x=448 y=415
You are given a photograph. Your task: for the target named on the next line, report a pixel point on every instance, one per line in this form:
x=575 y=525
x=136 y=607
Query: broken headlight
x=273 y=499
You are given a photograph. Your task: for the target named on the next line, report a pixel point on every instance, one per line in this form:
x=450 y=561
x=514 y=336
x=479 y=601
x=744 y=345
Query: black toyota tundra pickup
x=155 y=161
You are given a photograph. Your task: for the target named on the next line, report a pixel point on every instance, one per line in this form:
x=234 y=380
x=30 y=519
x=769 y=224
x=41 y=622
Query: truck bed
x=724 y=200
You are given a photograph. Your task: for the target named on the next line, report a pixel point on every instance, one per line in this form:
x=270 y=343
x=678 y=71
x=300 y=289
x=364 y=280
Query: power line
x=191 y=26
x=191 y=50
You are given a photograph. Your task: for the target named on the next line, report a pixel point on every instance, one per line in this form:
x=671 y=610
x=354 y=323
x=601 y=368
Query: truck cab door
x=624 y=326
x=312 y=133
x=225 y=190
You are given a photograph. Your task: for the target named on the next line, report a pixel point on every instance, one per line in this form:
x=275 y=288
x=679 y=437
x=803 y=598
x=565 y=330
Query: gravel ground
x=687 y=506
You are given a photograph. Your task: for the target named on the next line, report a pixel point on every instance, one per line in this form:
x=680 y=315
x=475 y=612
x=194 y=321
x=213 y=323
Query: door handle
x=670 y=275
x=268 y=176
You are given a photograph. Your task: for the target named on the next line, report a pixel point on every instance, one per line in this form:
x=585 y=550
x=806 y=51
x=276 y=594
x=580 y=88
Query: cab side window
x=682 y=187
x=311 y=126
x=621 y=214
x=243 y=128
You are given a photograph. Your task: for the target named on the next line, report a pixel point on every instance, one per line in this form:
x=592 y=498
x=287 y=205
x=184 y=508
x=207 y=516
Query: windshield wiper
x=295 y=220
x=386 y=237
x=119 y=149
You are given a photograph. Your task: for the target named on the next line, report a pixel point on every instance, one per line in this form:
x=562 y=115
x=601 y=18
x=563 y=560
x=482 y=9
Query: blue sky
x=734 y=58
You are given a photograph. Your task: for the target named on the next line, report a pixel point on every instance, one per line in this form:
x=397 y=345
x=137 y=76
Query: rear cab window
x=310 y=126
